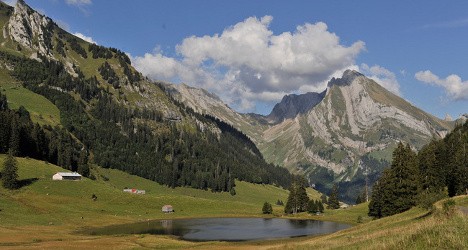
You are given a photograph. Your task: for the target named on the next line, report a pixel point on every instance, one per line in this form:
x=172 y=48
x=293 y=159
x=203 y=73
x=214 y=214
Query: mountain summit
x=350 y=133
x=347 y=78
x=340 y=135
x=293 y=105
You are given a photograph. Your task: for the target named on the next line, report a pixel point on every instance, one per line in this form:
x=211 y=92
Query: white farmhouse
x=60 y=176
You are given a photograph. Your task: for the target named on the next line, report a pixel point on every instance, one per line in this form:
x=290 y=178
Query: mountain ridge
x=352 y=129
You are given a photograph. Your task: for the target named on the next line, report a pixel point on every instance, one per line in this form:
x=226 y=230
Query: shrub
x=448 y=207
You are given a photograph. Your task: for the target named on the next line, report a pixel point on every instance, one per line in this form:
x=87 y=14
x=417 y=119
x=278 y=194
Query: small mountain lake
x=225 y=229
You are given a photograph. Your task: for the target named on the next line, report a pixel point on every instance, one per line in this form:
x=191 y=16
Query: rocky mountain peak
x=31 y=29
x=293 y=105
x=347 y=78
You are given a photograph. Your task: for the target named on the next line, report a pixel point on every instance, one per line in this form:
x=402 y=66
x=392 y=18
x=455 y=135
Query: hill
x=48 y=214
x=96 y=108
x=42 y=200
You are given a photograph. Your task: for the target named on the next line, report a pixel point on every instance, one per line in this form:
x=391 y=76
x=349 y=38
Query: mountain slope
x=342 y=134
x=111 y=115
x=350 y=133
x=204 y=102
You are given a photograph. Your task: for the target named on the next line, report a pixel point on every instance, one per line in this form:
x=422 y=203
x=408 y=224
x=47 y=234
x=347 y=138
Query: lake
x=225 y=229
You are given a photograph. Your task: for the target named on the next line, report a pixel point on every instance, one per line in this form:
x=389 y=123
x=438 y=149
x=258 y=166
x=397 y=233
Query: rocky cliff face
x=353 y=130
x=204 y=102
x=340 y=135
x=30 y=29
x=293 y=105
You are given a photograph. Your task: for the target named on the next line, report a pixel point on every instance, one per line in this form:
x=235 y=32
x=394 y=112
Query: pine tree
x=324 y=199
x=83 y=167
x=379 y=194
x=333 y=201
x=312 y=207
x=14 y=144
x=267 y=208
x=320 y=207
x=297 y=199
x=397 y=189
x=10 y=172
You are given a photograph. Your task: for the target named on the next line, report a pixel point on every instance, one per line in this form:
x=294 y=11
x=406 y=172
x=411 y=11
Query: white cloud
x=448 y=24
x=86 y=38
x=10 y=2
x=454 y=86
x=382 y=76
x=62 y=24
x=248 y=63
x=78 y=2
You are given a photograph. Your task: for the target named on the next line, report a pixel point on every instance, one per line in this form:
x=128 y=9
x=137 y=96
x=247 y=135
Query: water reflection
x=226 y=229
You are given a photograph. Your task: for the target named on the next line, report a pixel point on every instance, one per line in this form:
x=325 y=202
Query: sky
x=251 y=53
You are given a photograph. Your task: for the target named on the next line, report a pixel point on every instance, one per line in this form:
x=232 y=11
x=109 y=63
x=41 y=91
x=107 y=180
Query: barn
x=167 y=209
x=61 y=176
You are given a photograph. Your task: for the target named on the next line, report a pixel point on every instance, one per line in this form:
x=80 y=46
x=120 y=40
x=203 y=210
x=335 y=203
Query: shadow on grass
x=427 y=214
x=26 y=182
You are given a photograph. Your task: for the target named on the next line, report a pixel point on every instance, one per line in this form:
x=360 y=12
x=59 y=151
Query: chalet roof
x=69 y=174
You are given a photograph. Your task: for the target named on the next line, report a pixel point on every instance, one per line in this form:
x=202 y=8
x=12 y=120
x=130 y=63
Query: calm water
x=226 y=229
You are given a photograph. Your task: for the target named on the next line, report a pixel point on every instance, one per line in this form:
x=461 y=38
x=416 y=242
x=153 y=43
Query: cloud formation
x=448 y=24
x=78 y=2
x=248 y=63
x=454 y=86
x=382 y=76
x=86 y=38
x=10 y=2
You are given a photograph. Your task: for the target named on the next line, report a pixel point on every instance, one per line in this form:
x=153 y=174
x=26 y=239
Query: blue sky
x=250 y=53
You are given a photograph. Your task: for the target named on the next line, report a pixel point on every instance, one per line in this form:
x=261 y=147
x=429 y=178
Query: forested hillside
x=438 y=170
x=110 y=115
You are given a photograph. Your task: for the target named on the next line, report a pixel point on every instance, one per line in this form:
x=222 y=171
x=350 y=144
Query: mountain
x=341 y=135
x=102 y=111
x=293 y=105
x=205 y=102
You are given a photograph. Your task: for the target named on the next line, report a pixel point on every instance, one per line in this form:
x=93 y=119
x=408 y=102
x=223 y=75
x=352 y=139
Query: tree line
x=438 y=170
x=136 y=140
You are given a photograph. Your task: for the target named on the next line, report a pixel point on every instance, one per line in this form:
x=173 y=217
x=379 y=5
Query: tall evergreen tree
x=324 y=199
x=397 y=189
x=10 y=172
x=83 y=167
x=312 y=207
x=320 y=206
x=15 y=137
x=297 y=199
x=333 y=201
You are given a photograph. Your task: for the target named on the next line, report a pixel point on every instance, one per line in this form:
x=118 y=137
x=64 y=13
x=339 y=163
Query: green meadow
x=40 y=108
x=47 y=214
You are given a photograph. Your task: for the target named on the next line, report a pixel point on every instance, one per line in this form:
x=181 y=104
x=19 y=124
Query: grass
x=40 y=108
x=47 y=214
x=45 y=200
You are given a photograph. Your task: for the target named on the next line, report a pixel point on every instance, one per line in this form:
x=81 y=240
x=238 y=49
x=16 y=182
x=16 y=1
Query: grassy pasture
x=47 y=214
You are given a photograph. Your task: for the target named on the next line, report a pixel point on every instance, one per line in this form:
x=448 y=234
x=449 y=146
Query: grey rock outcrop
x=30 y=29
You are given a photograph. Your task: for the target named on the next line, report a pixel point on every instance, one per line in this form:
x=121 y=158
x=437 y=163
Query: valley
x=47 y=214
x=149 y=151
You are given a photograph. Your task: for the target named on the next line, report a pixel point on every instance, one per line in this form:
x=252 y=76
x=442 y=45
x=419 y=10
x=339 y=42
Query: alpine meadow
x=249 y=125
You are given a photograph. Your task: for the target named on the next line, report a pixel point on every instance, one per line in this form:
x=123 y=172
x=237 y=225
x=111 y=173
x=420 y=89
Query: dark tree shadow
x=26 y=182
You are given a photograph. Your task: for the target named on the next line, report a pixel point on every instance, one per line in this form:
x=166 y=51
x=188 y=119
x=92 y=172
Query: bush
x=448 y=207
x=359 y=219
